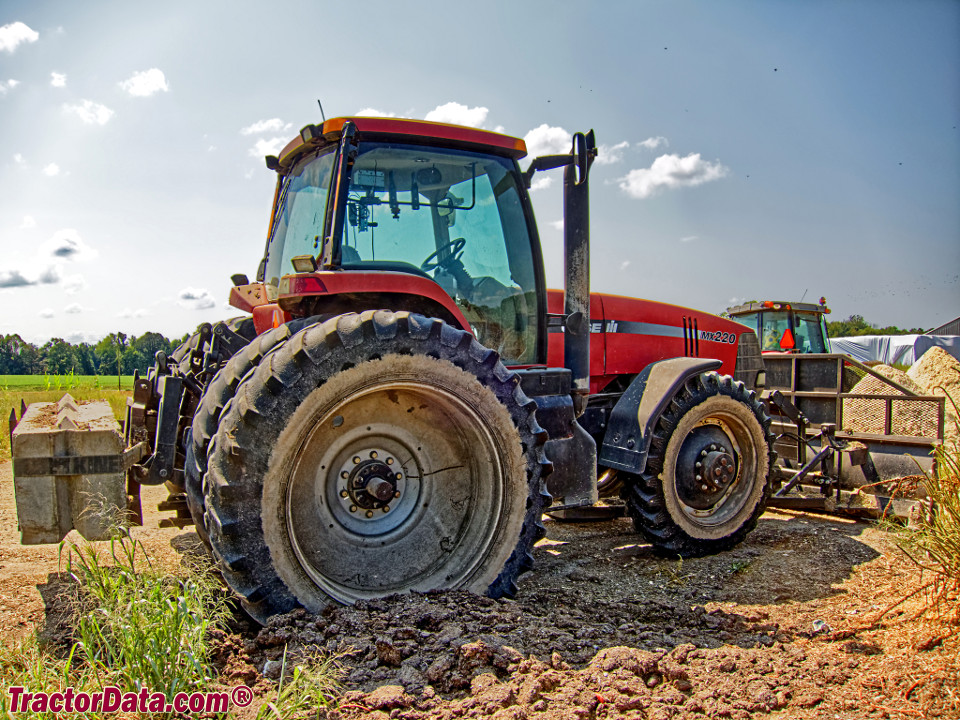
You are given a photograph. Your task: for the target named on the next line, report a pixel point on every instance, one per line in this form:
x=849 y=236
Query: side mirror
x=584 y=152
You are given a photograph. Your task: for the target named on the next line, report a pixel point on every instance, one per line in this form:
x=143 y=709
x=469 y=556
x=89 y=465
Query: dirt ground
x=799 y=621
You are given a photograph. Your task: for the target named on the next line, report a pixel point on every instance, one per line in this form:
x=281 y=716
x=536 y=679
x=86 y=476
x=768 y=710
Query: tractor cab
x=786 y=327
x=452 y=214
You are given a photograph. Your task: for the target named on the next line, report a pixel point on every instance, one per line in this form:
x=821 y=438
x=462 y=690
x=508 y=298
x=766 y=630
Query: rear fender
x=632 y=420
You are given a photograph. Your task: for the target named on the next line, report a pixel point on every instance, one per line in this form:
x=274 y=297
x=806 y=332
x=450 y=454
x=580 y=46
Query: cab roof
x=328 y=133
x=778 y=305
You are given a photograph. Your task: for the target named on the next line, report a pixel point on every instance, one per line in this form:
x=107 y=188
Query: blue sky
x=750 y=150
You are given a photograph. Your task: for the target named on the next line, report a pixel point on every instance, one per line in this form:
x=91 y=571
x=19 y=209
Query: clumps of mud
x=684 y=682
x=455 y=654
x=446 y=639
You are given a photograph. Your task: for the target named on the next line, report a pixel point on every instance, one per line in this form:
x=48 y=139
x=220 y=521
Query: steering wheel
x=456 y=250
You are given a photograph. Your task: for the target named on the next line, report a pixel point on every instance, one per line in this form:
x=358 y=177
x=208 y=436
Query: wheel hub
x=706 y=467
x=369 y=483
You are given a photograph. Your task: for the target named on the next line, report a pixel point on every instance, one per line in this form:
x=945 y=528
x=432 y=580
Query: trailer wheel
x=707 y=475
x=207 y=416
x=370 y=455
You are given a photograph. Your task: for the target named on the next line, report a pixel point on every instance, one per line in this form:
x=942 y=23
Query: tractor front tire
x=706 y=480
x=375 y=454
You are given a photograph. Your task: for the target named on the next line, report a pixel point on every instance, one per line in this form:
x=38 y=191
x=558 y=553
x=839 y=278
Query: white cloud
x=73 y=309
x=58 y=79
x=28 y=222
x=14 y=278
x=128 y=313
x=373 y=112
x=51 y=170
x=196 y=299
x=652 y=143
x=273 y=146
x=262 y=126
x=145 y=83
x=90 y=112
x=541 y=183
x=73 y=284
x=19 y=159
x=625 y=264
x=46 y=313
x=689 y=238
x=7 y=86
x=556 y=224
x=671 y=171
x=456 y=114
x=67 y=244
x=15 y=33
x=610 y=154
x=547 y=140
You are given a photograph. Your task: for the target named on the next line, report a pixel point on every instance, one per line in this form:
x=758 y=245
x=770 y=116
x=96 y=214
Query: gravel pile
x=910 y=417
x=938 y=373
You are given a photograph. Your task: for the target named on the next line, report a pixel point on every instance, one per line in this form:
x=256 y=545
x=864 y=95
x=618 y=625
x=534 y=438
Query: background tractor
x=405 y=398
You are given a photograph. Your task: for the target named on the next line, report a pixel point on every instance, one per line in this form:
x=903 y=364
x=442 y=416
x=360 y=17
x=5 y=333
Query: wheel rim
x=713 y=480
x=398 y=487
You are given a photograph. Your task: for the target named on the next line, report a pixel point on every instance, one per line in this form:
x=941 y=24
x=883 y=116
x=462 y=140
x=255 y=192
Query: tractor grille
x=749 y=361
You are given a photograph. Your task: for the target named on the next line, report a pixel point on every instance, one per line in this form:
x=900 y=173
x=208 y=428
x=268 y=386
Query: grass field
x=49 y=388
x=66 y=383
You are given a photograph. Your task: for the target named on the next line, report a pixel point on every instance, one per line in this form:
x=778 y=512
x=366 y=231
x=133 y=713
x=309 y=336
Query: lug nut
x=399 y=476
x=356 y=459
x=369 y=513
x=344 y=493
x=704 y=488
x=386 y=508
x=397 y=494
x=717 y=471
x=373 y=454
x=353 y=508
x=389 y=461
x=699 y=477
x=699 y=464
x=345 y=475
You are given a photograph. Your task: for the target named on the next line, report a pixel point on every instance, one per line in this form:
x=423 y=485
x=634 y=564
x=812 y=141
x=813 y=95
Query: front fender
x=632 y=420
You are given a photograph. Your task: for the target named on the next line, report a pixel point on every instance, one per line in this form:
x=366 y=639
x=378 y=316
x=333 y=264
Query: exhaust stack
x=576 y=260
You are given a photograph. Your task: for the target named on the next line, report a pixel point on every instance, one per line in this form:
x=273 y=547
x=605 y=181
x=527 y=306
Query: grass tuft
x=934 y=541
x=134 y=626
x=305 y=689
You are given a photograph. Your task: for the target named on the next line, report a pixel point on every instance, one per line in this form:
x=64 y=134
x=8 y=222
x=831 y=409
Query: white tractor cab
x=784 y=327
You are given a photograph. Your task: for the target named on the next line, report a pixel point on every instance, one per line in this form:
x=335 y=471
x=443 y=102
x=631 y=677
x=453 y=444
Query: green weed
x=312 y=685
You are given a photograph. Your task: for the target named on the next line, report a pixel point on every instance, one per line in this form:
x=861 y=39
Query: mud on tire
x=374 y=454
x=706 y=480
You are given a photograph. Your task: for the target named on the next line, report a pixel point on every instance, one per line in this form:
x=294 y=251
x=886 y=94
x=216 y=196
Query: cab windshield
x=809 y=333
x=452 y=216
x=807 y=329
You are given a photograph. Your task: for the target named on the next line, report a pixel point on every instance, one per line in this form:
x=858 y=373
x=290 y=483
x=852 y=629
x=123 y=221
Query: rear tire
x=370 y=455
x=706 y=480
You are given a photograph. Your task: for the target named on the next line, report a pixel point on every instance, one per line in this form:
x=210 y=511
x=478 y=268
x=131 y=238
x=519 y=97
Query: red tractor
x=406 y=398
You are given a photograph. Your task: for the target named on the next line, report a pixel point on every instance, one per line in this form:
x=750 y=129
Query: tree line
x=855 y=325
x=59 y=357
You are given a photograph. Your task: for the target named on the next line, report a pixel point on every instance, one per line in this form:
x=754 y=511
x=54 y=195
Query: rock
x=388 y=697
x=388 y=653
x=411 y=678
x=272 y=668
